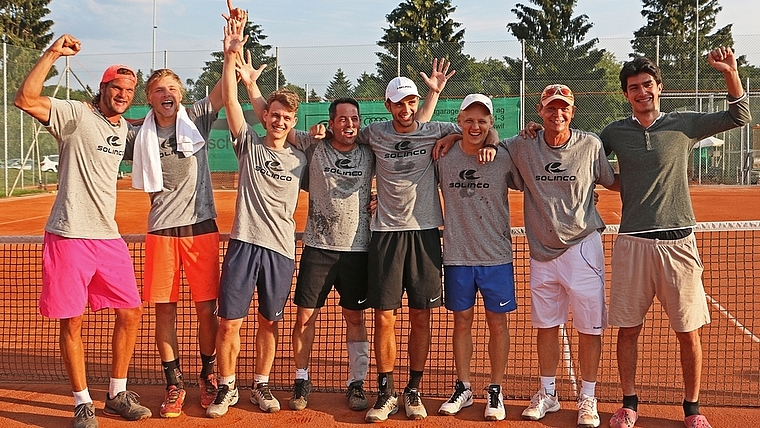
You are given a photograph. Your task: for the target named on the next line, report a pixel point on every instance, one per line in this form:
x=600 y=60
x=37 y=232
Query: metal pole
x=398 y=59
x=522 y=88
x=68 y=78
x=276 y=68
x=5 y=111
x=21 y=143
x=657 y=50
x=696 y=60
x=153 y=61
x=307 y=93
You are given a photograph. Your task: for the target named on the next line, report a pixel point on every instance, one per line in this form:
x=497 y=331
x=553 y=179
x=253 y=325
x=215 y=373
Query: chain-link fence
x=497 y=69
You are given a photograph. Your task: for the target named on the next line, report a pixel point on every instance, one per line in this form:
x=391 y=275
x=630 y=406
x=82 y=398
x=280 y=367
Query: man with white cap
x=475 y=195
x=558 y=170
x=405 y=248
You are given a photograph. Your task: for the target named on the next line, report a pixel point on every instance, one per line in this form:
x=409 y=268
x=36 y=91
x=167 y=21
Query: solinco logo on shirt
x=273 y=169
x=404 y=149
x=112 y=146
x=468 y=176
x=343 y=167
x=556 y=169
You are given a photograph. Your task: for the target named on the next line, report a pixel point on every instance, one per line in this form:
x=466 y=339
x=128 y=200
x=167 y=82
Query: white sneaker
x=461 y=398
x=225 y=397
x=413 y=404
x=588 y=417
x=495 y=406
x=262 y=396
x=541 y=404
x=385 y=406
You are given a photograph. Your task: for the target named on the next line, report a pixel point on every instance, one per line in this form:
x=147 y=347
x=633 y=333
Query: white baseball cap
x=399 y=88
x=477 y=98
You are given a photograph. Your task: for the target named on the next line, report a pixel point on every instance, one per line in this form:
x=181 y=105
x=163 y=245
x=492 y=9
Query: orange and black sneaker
x=174 y=398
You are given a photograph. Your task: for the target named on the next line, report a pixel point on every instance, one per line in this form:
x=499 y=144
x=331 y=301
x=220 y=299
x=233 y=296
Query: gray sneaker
x=261 y=395
x=385 y=406
x=125 y=404
x=225 y=397
x=415 y=409
x=301 y=391
x=84 y=416
x=356 y=398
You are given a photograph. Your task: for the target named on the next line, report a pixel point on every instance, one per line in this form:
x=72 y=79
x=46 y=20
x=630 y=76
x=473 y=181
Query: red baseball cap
x=557 y=92
x=119 y=71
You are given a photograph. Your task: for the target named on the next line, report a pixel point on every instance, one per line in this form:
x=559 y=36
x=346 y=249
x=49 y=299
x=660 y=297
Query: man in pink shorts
x=84 y=258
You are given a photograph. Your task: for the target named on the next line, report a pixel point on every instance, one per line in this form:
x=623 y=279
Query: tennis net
x=731 y=342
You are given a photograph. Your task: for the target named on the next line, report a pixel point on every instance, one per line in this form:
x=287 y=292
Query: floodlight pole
x=696 y=61
x=153 y=62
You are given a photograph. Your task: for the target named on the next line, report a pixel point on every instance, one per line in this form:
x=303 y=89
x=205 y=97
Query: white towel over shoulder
x=146 y=167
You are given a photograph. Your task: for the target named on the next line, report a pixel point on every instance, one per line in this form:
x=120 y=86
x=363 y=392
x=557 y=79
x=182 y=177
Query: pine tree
x=368 y=87
x=339 y=86
x=23 y=25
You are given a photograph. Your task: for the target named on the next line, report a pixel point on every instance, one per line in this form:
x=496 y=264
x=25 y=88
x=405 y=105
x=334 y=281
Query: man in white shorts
x=475 y=197
x=84 y=258
x=559 y=169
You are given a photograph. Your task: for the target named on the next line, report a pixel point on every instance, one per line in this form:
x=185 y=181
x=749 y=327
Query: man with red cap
x=84 y=259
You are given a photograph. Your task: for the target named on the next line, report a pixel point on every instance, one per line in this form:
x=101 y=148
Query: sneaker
x=84 y=416
x=385 y=406
x=588 y=417
x=495 y=406
x=301 y=391
x=696 y=421
x=125 y=404
x=225 y=397
x=209 y=389
x=174 y=398
x=624 y=418
x=413 y=404
x=261 y=395
x=461 y=398
x=356 y=398
x=541 y=404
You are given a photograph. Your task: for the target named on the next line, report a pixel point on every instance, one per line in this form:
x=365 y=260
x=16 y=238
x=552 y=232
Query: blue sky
x=126 y=26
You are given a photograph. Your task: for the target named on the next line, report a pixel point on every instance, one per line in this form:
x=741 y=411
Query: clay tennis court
x=731 y=352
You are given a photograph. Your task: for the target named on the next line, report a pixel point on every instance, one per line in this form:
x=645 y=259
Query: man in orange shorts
x=170 y=158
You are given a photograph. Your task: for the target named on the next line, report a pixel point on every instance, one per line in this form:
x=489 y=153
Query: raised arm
x=233 y=41
x=29 y=95
x=249 y=76
x=435 y=83
x=723 y=60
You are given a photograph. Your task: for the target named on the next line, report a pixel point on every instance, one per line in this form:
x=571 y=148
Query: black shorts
x=247 y=266
x=405 y=261
x=319 y=270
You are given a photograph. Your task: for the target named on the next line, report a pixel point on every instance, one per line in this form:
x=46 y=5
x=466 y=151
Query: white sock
x=257 y=379
x=227 y=380
x=588 y=388
x=302 y=374
x=116 y=386
x=82 y=397
x=547 y=382
x=358 y=361
x=467 y=384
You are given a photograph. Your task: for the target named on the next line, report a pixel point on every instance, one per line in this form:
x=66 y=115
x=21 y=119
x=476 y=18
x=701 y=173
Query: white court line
x=568 y=358
x=733 y=319
x=23 y=219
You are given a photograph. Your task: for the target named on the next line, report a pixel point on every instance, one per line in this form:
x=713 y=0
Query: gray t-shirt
x=559 y=190
x=339 y=185
x=187 y=197
x=476 y=228
x=267 y=193
x=407 y=188
x=90 y=149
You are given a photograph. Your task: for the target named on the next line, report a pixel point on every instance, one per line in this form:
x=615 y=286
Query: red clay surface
x=50 y=405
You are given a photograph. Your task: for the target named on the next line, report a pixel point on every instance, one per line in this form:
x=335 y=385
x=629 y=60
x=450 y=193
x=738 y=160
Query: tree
x=368 y=87
x=212 y=71
x=674 y=22
x=21 y=21
x=556 y=52
x=339 y=86
x=424 y=31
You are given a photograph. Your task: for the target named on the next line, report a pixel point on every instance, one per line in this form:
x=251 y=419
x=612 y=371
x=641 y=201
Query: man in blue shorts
x=475 y=196
x=261 y=252
x=656 y=252
x=84 y=258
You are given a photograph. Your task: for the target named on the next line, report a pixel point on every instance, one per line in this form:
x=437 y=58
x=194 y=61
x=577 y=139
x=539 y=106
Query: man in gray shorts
x=656 y=253
x=559 y=169
x=84 y=258
x=261 y=252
